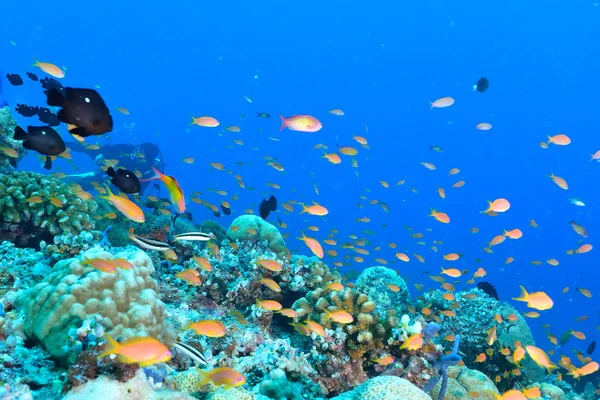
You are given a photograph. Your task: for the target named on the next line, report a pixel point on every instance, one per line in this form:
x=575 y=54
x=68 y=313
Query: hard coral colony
x=110 y=291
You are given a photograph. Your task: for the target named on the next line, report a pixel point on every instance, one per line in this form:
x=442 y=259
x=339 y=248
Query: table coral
x=385 y=388
x=253 y=228
x=126 y=300
x=27 y=223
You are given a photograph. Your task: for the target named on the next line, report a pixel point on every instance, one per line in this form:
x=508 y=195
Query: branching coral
x=365 y=334
x=26 y=223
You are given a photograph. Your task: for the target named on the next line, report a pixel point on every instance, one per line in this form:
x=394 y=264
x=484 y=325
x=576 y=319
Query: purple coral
x=441 y=366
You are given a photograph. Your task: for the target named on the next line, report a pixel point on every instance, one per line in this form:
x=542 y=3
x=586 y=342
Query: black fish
x=14 y=79
x=83 y=108
x=51 y=83
x=217 y=214
x=482 y=85
x=591 y=348
x=266 y=206
x=187 y=215
x=263 y=115
x=42 y=139
x=489 y=289
x=48 y=117
x=27 y=111
x=125 y=180
x=32 y=76
x=226 y=210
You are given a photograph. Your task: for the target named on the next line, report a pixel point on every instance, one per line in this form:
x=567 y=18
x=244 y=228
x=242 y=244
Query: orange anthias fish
x=537 y=300
x=144 y=351
x=211 y=328
x=300 y=123
x=125 y=206
x=100 y=265
x=207 y=122
x=540 y=357
x=223 y=376
x=415 y=342
x=313 y=245
x=175 y=192
x=50 y=69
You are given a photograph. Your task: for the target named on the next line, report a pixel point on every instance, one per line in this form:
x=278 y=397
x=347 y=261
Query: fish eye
x=87 y=100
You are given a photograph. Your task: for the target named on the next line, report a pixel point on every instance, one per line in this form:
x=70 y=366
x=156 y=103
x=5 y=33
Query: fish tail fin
x=188 y=325
x=284 y=122
x=108 y=195
x=193 y=120
x=35 y=62
x=474 y=87
x=432 y=106
x=112 y=346
x=303 y=236
x=48 y=163
x=524 y=295
x=489 y=208
x=111 y=172
x=20 y=133
x=157 y=176
x=203 y=377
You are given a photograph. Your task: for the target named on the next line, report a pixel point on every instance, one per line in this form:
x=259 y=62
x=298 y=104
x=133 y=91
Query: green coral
x=209 y=226
x=255 y=229
x=365 y=334
x=72 y=218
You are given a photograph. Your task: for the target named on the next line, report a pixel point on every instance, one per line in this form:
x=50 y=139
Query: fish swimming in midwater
x=266 y=206
x=27 y=111
x=32 y=76
x=48 y=117
x=263 y=115
x=83 y=108
x=51 y=83
x=482 y=85
x=125 y=180
x=14 y=79
x=591 y=348
x=42 y=139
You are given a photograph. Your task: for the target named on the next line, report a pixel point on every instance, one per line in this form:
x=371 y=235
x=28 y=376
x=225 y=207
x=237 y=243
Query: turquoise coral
x=126 y=301
x=255 y=229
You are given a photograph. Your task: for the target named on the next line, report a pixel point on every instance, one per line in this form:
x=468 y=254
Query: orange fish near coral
x=127 y=207
x=313 y=245
x=415 y=342
x=211 y=328
x=300 y=123
x=100 y=265
x=175 y=192
x=223 y=376
x=144 y=351
x=189 y=275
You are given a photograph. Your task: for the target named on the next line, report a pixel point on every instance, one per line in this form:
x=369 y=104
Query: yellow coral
x=230 y=394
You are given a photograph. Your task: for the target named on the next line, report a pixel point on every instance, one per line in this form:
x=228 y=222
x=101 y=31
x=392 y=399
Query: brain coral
x=26 y=223
x=127 y=300
x=254 y=228
x=464 y=382
x=385 y=388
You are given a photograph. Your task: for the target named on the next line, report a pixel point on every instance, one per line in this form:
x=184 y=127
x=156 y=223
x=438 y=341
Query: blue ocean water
x=382 y=63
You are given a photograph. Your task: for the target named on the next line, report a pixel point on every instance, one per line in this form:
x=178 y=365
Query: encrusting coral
x=53 y=209
x=126 y=301
x=384 y=388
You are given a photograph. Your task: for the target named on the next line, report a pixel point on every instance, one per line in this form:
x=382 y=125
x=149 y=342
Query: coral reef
x=254 y=229
x=476 y=317
x=464 y=383
x=35 y=208
x=385 y=388
x=375 y=282
x=7 y=129
x=126 y=300
x=137 y=388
